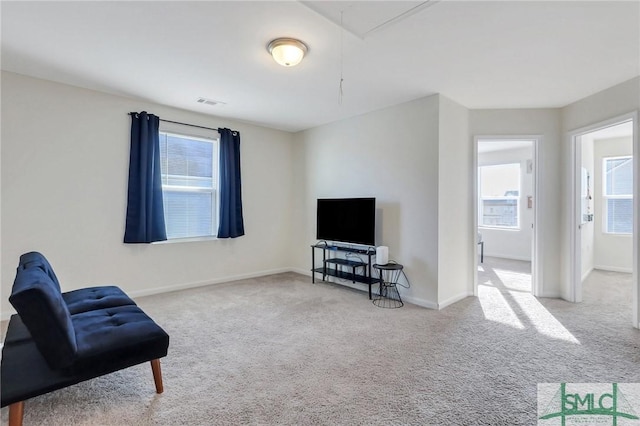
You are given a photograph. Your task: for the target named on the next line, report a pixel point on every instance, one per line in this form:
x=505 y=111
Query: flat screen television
x=348 y=220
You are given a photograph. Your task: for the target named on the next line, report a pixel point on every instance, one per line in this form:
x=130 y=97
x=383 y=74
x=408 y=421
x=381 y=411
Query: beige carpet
x=279 y=350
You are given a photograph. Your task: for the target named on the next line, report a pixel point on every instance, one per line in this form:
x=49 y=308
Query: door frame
x=575 y=242
x=536 y=237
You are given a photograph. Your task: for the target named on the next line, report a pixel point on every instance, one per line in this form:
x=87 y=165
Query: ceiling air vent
x=211 y=102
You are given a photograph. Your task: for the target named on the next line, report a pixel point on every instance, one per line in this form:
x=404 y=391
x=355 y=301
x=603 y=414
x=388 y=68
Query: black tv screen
x=348 y=220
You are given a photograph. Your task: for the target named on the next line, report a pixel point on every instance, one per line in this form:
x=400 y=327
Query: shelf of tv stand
x=326 y=270
x=346 y=262
x=347 y=276
x=366 y=251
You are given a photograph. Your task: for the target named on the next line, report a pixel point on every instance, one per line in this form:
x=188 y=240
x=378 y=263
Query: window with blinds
x=618 y=194
x=189 y=185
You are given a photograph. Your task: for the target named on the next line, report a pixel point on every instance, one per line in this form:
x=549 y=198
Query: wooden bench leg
x=16 y=412
x=157 y=375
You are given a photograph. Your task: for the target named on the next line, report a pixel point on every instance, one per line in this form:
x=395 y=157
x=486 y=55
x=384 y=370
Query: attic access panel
x=362 y=18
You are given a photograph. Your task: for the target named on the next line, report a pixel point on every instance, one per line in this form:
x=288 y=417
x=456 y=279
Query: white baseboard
x=306 y=272
x=507 y=256
x=184 y=286
x=452 y=300
x=409 y=299
x=554 y=295
x=420 y=302
x=586 y=274
x=613 y=269
x=364 y=288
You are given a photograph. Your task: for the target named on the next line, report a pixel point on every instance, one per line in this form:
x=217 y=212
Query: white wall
x=511 y=243
x=455 y=204
x=546 y=123
x=613 y=252
x=392 y=155
x=416 y=159
x=65 y=154
x=64 y=165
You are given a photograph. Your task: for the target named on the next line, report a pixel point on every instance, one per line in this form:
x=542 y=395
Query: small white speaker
x=382 y=255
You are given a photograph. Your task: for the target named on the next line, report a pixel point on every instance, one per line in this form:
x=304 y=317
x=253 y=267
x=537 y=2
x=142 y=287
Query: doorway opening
x=506 y=185
x=604 y=211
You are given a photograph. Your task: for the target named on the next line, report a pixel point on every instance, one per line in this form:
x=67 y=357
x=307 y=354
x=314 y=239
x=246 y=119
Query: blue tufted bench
x=60 y=339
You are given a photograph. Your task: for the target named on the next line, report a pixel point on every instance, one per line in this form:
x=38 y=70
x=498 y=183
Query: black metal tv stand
x=333 y=266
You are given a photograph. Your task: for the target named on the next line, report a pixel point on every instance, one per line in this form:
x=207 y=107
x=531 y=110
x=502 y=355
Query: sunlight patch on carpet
x=496 y=308
x=514 y=280
x=543 y=321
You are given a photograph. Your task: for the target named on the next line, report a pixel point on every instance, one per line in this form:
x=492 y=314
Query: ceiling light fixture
x=288 y=52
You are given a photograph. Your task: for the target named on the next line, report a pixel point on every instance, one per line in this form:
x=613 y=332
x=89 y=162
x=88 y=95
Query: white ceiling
x=481 y=54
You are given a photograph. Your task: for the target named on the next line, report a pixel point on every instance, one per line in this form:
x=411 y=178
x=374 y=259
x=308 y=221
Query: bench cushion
x=92 y=298
x=45 y=314
x=121 y=333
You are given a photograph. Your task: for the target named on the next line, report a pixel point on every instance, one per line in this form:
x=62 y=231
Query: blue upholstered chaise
x=60 y=339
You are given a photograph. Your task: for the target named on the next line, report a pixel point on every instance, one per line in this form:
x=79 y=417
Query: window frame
x=606 y=197
x=214 y=190
x=481 y=199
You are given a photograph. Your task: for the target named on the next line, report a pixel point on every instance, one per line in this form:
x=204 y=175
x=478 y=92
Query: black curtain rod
x=184 y=124
x=190 y=125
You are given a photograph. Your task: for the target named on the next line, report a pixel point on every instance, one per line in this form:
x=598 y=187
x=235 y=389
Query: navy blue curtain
x=145 y=214
x=231 y=223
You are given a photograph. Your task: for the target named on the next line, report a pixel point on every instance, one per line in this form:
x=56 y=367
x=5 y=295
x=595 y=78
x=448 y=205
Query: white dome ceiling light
x=288 y=52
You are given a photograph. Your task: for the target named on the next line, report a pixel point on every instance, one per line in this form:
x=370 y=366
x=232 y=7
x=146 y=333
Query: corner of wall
x=455 y=192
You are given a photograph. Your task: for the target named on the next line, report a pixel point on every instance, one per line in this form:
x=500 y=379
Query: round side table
x=388 y=296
